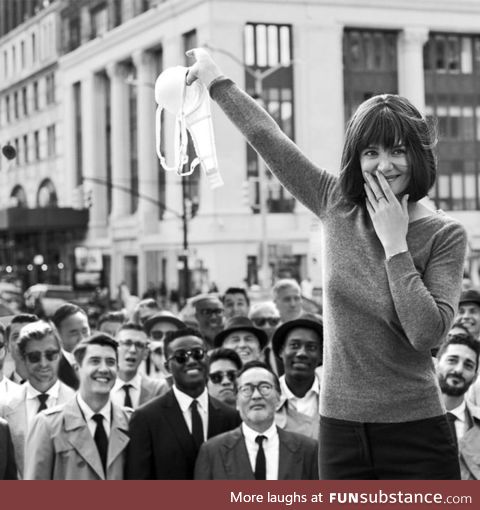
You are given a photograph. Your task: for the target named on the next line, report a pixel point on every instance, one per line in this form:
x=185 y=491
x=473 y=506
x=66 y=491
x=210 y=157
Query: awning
x=22 y=219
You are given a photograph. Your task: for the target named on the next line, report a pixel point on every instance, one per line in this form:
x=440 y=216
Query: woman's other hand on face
x=204 y=68
x=389 y=214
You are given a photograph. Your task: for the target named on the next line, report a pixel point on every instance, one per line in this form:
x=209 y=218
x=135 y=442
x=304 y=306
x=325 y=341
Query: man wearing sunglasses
x=210 y=315
x=132 y=388
x=166 y=433
x=223 y=367
x=156 y=327
x=39 y=348
x=258 y=449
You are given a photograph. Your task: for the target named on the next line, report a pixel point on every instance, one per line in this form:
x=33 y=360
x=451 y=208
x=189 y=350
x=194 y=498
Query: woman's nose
x=384 y=164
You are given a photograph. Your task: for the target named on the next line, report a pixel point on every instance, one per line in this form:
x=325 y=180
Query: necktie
x=260 y=463
x=197 y=425
x=42 y=397
x=128 y=398
x=451 y=422
x=101 y=440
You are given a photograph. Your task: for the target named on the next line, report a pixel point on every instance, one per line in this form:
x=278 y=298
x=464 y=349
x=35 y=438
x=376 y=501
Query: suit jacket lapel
x=175 y=418
x=118 y=439
x=235 y=456
x=78 y=435
x=288 y=458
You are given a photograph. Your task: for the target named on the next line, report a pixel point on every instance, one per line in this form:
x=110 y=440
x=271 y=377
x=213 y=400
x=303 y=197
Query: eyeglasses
x=36 y=356
x=181 y=356
x=157 y=335
x=138 y=344
x=265 y=389
x=208 y=312
x=217 y=377
x=262 y=321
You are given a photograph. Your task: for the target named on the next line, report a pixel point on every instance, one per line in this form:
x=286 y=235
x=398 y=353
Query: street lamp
x=259 y=77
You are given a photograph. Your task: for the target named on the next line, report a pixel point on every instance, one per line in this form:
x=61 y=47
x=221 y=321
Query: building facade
x=310 y=62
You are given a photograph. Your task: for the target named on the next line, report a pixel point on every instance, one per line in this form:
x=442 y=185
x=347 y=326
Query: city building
x=310 y=63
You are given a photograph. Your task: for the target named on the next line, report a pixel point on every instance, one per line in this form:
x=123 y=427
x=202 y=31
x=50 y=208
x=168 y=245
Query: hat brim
x=149 y=323
x=281 y=333
x=258 y=333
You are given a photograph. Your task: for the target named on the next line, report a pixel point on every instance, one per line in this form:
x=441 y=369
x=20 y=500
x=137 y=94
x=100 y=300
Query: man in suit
x=7 y=387
x=210 y=315
x=299 y=344
x=18 y=375
x=72 y=325
x=131 y=388
x=258 y=449
x=166 y=433
x=457 y=369
x=85 y=438
x=39 y=348
x=8 y=468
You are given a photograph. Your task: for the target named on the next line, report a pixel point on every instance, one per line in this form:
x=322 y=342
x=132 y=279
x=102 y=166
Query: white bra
x=191 y=107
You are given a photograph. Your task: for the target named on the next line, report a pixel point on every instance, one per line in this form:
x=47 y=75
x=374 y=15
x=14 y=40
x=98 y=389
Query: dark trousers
x=414 y=450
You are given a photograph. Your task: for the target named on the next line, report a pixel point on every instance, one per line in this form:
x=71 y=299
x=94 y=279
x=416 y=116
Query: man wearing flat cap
x=469 y=311
x=299 y=344
x=243 y=337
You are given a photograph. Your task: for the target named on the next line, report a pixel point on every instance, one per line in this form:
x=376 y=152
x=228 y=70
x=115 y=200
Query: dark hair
x=224 y=353
x=21 y=318
x=131 y=325
x=65 y=311
x=37 y=330
x=260 y=364
x=468 y=340
x=96 y=339
x=389 y=120
x=170 y=336
x=2 y=329
x=111 y=317
x=236 y=290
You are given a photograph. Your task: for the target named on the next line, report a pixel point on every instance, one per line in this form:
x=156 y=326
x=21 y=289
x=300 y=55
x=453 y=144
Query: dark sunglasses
x=36 y=356
x=157 y=335
x=208 y=312
x=217 y=377
x=262 y=321
x=181 y=356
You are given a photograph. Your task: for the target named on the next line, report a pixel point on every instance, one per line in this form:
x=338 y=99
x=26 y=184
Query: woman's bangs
x=382 y=128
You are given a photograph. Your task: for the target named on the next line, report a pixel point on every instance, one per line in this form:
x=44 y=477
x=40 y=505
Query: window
x=25 y=149
x=99 y=21
x=269 y=46
x=36 y=145
x=452 y=81
x=34 y=48
x=51 y=141
x=133 y=145
x=14 y=59
x=22 y=54
x=73 y=34
x=15 y=105
x=35 y=95
x=7 y=108
x=5 y=62
x=50 y=88
x=24 y=101
x=108 y=141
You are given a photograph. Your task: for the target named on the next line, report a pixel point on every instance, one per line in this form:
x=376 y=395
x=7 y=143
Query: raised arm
x=296 y=172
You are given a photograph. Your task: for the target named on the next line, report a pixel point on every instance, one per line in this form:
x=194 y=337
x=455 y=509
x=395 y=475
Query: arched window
x=18 y=197
x=47 y=195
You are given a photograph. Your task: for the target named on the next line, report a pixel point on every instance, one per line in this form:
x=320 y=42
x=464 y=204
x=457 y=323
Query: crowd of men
x=232 y=392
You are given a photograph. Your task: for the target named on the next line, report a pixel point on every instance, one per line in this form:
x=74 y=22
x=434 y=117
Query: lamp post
x=259 y=77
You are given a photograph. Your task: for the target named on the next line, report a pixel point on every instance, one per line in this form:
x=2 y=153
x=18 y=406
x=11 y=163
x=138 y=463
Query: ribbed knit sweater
x=381 y=318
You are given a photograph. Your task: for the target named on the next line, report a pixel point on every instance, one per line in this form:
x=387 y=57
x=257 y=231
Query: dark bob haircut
x=389 y=120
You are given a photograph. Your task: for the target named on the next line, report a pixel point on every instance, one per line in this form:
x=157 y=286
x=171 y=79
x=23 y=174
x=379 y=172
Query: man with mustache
x=457 y=369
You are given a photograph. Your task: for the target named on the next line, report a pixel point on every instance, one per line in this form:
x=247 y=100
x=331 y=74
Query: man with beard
x=457 y=369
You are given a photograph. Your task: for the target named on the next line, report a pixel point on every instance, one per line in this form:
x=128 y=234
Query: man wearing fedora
x=243 y=337
x=299 y=344
x=469 y=311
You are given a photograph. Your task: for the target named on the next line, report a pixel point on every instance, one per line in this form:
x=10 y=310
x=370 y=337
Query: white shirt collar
x=105 y=411
x=33 y=393
x=69 y=357
x=184 y=400
x=136 y=382
x=250 y=434
x=459 y=411
x=315 y=388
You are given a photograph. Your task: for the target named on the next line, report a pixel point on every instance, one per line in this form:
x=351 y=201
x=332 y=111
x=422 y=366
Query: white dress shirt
x=461 y=421
x=8 y=389
x=185 y=401
x=309 y=403
x=118 y=392
x=271 y=447
x=69 y=357
x=105 y=411
x=32 y=403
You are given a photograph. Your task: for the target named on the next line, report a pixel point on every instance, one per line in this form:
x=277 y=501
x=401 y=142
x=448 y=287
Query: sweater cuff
x=400 y=264
x=214 y=84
